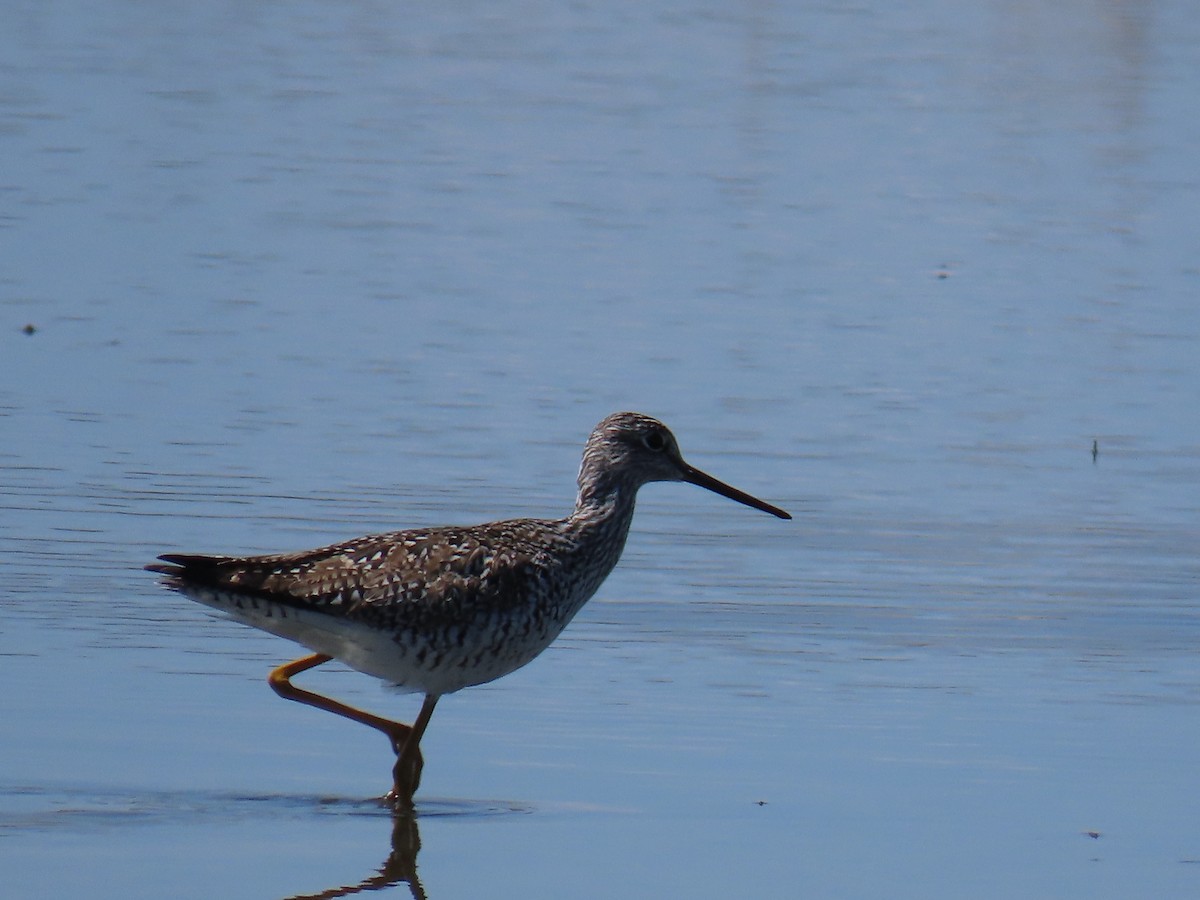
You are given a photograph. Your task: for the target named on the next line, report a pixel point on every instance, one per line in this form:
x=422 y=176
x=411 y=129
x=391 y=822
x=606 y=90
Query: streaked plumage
x=440 y=609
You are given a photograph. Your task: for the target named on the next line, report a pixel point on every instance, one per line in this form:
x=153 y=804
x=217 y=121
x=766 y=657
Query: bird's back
x=430 y=610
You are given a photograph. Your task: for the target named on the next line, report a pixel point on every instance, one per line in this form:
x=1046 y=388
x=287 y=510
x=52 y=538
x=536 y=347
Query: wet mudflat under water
x=924 y=277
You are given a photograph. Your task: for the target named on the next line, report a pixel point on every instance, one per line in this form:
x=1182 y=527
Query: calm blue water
x=297 y=273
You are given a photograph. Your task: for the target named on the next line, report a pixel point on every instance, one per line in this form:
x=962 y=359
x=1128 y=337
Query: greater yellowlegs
x=437 y=610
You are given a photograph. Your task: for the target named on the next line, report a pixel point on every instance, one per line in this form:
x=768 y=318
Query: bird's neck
x=600 y=521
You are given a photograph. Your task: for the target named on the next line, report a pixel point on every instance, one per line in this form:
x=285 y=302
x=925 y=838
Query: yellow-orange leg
x=406 y=774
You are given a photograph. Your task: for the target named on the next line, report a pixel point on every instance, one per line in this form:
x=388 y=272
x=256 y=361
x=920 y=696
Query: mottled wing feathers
x=373 y=578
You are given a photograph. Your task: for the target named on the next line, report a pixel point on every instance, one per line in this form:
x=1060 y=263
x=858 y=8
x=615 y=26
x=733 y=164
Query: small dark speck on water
x=760 y=802
x=1095 y=450
x=30 y=329
x=1094 y=835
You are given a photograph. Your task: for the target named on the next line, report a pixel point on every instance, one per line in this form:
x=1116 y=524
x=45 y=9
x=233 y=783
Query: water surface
x=295 y=274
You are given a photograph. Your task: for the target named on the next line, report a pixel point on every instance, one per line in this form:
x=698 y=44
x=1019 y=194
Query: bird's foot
x=406 y=778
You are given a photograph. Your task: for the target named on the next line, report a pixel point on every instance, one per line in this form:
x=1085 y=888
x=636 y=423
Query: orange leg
x=406 y=774
x=405 y=739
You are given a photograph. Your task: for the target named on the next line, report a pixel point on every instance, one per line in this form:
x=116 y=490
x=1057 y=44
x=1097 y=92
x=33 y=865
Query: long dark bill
x=695 y=476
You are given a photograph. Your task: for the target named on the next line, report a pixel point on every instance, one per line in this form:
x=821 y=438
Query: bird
x=436 y=610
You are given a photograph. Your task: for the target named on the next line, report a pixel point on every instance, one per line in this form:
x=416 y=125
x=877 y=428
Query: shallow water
x=295 y=274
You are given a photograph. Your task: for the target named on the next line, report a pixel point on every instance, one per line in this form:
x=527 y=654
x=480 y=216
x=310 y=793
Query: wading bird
x=436 y=610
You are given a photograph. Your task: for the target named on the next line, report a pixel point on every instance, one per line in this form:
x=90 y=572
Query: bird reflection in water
x=400 y=867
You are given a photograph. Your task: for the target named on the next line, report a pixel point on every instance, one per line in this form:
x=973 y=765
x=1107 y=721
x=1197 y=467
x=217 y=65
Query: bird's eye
x=654 y=440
